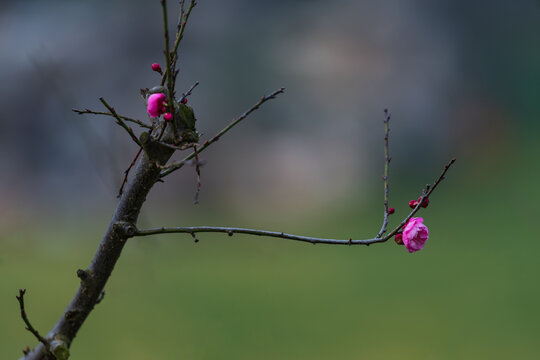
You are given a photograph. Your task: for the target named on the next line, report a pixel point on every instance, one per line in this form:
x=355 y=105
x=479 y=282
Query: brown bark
x=121 y=228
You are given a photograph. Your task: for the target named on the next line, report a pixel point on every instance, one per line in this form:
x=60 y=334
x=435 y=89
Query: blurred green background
x=460 y=78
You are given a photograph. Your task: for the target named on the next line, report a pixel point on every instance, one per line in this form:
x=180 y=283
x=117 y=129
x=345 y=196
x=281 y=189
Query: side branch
x=192 y=230
x=29 y=326
x=120 y=122
x=169 y=67
x=177 y=165
x=184 y=96
x=232 y=230
x=136 y=121
x=182 y=21
x=385 y=176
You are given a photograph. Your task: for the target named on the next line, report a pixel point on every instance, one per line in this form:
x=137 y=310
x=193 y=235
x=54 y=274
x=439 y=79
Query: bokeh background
x=461 y=79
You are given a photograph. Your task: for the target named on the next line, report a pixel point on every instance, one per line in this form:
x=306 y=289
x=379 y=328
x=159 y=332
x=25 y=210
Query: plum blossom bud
x=415 y=234
x=156 y=104
x=167 y=117
x=184 y=100
x=156 y=67
x=391 y=211
x=425 y=203
x=413 y=203
x=399 y=238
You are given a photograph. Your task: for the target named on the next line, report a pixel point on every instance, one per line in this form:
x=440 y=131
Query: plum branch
x=172 y=129
x=169 y=168
x=313 y=240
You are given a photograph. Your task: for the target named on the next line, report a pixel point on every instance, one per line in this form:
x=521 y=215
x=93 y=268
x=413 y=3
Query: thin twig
x=180 y=32
x=120 y=122
x=182 y=22
x=177 y=165
x=169 y=68
x=29 y=326
x=230 y=230
x=185 y=95
x=136 y=121
x=126 y=173
x=425 y=193
x=180 y=16
x=198 y=171
x=385 y=176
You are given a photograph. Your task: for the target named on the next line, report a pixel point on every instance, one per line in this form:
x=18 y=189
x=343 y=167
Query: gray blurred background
x=461 y=79
x=457 y=76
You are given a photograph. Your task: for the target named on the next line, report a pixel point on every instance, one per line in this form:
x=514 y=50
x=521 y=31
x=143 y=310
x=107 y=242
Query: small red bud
x=391 y=211
x=399 y=238
x=413 y=203
x=425 y=203
x=167 y=117
x=156 y=67
x=184 y=100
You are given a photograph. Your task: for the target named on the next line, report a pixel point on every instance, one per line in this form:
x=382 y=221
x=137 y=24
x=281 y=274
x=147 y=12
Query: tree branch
x=121 y=227
x=167 y=169
x=169 y=67
x=185 y=95
x=182 y=22
x=313 y=240
x=29 y=326
x=120 y=122
x=425 y=193
x=385 y=176
x=136 y=121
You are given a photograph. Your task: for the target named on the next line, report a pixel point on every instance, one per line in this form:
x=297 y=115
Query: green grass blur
x=471 y=293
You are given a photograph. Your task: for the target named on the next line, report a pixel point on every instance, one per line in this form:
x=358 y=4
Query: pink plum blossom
x=415 y=234
x=167 y=117
x=156 y=104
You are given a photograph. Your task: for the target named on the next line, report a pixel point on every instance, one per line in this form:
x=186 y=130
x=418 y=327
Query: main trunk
x=121 y=227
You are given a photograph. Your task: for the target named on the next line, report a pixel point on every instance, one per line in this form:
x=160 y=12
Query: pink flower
x=415 y=234
x=413 y=203
x=167 y=116
x=156 y=67
x=156 y=104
